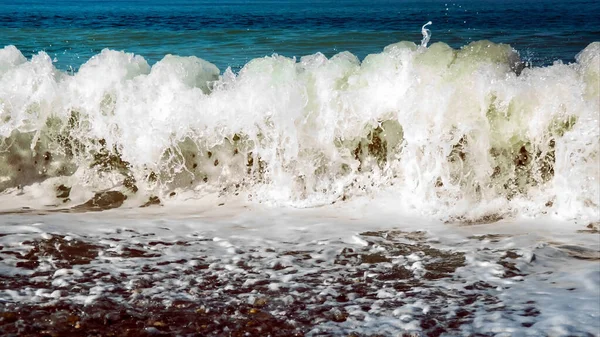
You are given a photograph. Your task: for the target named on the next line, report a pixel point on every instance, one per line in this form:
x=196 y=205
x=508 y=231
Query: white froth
x=458 y=134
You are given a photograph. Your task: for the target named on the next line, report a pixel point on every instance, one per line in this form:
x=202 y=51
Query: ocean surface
x=231 y=33
x=300 y=168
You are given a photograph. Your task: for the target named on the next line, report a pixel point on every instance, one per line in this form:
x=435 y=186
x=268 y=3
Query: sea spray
x=457 y=134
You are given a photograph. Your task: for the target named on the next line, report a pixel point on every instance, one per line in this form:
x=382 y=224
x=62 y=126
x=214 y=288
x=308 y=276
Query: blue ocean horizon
x=231 y=33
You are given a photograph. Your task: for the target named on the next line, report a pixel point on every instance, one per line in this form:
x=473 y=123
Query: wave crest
x=454 y=133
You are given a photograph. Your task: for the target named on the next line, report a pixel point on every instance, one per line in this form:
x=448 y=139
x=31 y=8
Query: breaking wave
x=452 y=133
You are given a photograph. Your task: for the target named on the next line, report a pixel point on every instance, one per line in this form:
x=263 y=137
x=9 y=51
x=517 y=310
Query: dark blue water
x=230 y=33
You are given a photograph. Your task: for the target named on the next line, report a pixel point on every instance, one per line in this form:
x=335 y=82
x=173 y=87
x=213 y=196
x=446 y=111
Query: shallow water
x=304 y=273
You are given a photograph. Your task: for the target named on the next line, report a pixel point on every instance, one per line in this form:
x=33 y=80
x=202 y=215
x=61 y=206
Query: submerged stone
x=102 y=201
x=63 y=191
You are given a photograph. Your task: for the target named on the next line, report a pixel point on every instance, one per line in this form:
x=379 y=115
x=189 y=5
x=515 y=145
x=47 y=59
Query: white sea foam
x=462 y=134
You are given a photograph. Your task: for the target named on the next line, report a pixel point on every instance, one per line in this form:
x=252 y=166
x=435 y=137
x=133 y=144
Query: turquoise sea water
x=230 y=33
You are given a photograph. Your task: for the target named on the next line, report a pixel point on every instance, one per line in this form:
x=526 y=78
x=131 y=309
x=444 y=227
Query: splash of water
x=453 y=133
x=426 y=35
